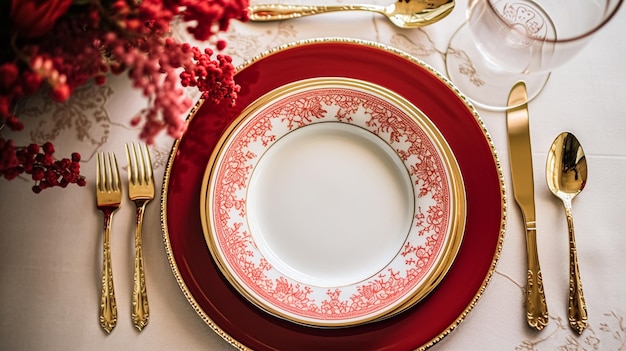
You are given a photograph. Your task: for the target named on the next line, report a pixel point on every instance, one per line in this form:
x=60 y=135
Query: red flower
x=33 y=18
x=8 y=75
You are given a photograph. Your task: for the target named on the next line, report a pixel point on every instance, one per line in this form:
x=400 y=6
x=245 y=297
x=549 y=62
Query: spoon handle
x=536 y=305
x=577 y=310
x=276 y=12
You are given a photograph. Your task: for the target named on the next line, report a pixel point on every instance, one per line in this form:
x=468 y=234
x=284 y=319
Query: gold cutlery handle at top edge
x=536 y=306
x=276 y=12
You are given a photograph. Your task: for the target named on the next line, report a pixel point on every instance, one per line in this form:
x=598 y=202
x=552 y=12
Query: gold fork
x=109 y=199
x=140 y=191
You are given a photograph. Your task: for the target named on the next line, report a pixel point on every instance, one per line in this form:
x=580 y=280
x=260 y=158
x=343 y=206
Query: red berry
x=51 y=177
x=8 y=75
x=14 y=123
x=48 y=160
x=74 y=167
x=31 y=82
x=48 y=148
x=100 y=80
x=33 y=148
x=37 y=174
x=11 y=173
x=61 y=92
x=28 y=166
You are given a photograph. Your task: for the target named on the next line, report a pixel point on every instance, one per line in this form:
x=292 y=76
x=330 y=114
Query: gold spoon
x=403 y=13
x=566 y=174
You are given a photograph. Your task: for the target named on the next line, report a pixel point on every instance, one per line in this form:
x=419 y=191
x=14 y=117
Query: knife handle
x=536 y=306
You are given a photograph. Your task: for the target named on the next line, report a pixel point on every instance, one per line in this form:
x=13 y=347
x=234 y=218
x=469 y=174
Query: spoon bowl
x=403 y=14
x=566 y=175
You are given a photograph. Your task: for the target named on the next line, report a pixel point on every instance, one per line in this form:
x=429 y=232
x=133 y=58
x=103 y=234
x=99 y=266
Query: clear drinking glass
x=505 y=41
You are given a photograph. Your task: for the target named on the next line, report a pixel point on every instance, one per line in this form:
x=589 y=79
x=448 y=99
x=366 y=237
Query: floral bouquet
x=59 y=45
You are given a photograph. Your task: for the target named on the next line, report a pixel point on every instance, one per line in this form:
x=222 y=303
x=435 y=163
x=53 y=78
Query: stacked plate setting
x=352 y=198
x=333 y=202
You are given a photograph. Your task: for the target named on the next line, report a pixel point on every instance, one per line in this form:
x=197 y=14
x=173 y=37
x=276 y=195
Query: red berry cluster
x=154 y=59
x=13 y=86
x=38 y=162
x=62 y=44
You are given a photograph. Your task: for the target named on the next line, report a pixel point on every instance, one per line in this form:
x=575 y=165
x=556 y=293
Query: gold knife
x=523 y=190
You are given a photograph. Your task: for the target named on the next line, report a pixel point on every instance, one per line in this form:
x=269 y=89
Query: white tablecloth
x=50 y=243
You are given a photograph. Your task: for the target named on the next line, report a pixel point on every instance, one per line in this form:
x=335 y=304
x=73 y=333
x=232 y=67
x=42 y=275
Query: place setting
x=316 y=196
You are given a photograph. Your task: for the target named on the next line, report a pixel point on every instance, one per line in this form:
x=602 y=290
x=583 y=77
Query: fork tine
x=115 y=173
x=147 y=162
x=141 y=170
x=108 y=179
x=104 y=172
x=108 y=173
x=106 y=184
x=99 y=169
x=132 y=163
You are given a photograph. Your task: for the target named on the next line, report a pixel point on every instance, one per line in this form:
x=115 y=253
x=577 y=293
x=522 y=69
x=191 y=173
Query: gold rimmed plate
x=332 y=202
x=244 y=325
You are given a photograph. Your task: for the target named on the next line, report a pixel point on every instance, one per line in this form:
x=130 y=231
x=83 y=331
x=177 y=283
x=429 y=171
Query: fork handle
x=140 y=309
x=108 y=307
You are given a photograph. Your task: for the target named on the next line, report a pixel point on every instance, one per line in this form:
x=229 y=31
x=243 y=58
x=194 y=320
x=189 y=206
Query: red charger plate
x=245 y=326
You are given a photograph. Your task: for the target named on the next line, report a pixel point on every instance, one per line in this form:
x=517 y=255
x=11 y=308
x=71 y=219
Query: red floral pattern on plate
x=384 y=290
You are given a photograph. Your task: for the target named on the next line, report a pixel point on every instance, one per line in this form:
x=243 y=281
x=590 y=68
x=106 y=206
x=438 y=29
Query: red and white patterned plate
x=333 y=202
x=243 y=324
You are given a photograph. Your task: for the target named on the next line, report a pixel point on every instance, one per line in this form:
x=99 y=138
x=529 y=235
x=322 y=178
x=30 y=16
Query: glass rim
x=593 y=30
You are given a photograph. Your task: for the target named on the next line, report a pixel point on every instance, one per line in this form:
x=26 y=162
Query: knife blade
x=520 y=155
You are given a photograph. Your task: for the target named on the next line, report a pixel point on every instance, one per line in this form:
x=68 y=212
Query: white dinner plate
x=333 y=202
